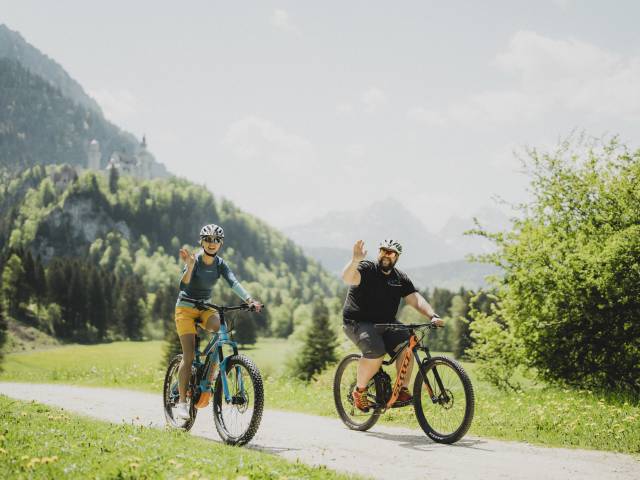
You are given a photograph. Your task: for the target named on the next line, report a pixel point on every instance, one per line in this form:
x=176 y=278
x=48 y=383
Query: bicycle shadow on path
x=422 y=443
x=271 y=450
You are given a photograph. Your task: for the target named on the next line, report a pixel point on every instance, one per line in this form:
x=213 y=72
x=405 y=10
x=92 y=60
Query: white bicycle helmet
x=212 y=230
x=389 y=244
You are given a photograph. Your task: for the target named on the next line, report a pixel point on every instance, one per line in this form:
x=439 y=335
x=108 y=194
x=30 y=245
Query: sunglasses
x=210 y=239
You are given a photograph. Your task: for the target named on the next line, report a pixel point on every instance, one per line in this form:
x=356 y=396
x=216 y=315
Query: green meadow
x=41 y=442
x=540 y=414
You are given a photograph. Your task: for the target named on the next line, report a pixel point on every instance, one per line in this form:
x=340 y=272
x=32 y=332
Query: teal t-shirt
x=204 y=277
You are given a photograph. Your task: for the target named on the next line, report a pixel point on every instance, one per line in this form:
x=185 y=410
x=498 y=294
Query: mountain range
x=13 y=46
x=440 y=255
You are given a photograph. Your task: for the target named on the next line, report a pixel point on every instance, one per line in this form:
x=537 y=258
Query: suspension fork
x=426 y=383
x=222 y=362
x=402 y=374
x=225 y=383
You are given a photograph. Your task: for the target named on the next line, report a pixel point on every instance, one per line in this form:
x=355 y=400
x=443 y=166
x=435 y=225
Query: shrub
x=570 y=296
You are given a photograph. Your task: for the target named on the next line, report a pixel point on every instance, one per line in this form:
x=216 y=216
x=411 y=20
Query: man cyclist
x=201 y=272
x=373 y=297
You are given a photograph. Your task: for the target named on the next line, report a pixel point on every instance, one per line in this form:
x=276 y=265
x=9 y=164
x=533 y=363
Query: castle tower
x=145 y=160
x=94 y=155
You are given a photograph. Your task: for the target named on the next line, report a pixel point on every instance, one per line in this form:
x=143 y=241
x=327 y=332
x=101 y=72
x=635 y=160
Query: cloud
x=257 y=140
x=116 y=105
x=577 y=75
x=549 y=76
x=431 y=118
x=356 y=150
x=283 y=21
x=372 y=99
x=344 y=108
x=563 y=4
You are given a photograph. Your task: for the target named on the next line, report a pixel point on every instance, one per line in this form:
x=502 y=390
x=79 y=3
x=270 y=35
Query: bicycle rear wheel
x=237 y=421
x=170 y=397
x=450 y=410
x=343 y=384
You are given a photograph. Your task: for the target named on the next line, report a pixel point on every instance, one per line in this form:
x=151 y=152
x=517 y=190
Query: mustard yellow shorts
x=186 y=318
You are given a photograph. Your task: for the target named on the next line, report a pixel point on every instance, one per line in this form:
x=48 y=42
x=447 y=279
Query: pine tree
x=164 y=308
x=3 y=336
x=245 y=329
x=459 y=314
x=76 y=302
x=113 y=180
x=40 y=281
x=56 y=281
x=29 y=266
x=131 y=308
x=96 y=302
x=12 y=281
x=172 y=345
x=319 y=348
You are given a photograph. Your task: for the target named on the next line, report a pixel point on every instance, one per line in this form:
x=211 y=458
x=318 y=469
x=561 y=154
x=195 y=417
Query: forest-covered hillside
x=14 y=47
x=95 y=258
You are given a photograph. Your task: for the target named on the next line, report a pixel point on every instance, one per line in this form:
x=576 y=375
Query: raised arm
x=418 y=302
x=189 y=260
x=350 y=274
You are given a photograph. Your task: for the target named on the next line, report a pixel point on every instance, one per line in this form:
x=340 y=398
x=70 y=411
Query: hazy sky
x=292 y=110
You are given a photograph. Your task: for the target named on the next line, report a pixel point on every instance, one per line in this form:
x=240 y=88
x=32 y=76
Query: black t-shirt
x=378 y=296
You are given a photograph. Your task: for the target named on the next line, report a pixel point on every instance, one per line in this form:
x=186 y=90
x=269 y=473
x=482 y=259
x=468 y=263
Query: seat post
x=197 y=349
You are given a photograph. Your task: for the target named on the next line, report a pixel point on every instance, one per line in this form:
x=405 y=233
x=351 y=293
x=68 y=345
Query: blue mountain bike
x=237 y=391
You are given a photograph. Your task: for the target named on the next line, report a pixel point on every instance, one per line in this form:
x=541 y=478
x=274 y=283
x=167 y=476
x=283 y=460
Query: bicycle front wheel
x=237 y=420
x=446 y=416
x=343 y=384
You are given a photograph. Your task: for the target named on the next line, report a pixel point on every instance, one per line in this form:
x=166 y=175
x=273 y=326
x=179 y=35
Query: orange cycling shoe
x=360 y=399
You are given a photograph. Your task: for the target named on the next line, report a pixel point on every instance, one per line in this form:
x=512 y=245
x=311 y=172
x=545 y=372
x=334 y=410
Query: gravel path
x=383 y=452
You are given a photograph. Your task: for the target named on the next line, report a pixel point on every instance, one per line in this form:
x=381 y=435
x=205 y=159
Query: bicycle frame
x=213 y=352
x=414 y=346
x=214 y=355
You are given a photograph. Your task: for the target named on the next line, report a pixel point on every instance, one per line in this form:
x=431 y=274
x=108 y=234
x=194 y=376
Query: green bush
x=570 y=297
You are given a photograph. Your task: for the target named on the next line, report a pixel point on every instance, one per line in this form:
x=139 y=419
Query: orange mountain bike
x=443 y=397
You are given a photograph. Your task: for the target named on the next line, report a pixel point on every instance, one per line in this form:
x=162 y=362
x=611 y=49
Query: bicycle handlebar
x=405 y=326
x=220 y=308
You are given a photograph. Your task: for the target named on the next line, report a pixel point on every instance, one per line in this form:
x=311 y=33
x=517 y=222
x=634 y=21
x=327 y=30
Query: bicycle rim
x=343 y=385
x=447 y=416
x=170 y=397
x=237 y=420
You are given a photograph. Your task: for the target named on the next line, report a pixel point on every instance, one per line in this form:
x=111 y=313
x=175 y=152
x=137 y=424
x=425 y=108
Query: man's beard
x=386 y=266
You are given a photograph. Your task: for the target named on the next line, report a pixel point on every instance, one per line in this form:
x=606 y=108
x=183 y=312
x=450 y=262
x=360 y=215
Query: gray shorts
x=372 y=342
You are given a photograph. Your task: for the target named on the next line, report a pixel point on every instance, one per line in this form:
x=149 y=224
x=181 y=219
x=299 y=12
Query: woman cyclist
x=201 y=271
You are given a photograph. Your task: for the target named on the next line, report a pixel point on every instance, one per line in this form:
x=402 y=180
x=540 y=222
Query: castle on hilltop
x=139 y=164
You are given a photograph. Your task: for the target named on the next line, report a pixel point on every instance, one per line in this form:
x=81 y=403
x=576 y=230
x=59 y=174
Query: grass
x=540 y=414
x=134 y=365
x=40 y=442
